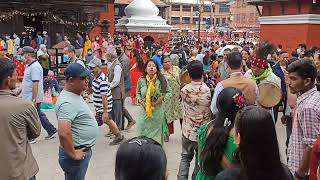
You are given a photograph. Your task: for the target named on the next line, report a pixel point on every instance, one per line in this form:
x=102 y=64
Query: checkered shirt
x=306 y=127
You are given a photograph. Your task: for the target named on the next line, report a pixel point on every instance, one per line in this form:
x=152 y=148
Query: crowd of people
x=215 y=90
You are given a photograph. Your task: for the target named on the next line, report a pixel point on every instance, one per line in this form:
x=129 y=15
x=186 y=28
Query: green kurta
x=153 y=128
x=173 y=106
x=228 y=152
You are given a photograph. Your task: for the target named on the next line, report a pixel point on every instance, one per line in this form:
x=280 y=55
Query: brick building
x=244 y=17
x=289 y=22
x=184 y=14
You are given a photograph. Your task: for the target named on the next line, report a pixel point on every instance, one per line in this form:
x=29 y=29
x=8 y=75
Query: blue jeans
x=73 y=169
x=45 y=122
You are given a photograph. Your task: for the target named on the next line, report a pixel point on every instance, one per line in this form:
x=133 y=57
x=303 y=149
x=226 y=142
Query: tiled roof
x=158 y=3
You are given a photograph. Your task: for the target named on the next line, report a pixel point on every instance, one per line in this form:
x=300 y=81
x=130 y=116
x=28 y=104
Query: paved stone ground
x=102 y=163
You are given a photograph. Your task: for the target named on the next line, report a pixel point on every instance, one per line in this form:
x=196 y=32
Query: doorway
x=33 y=24
x=148 y=41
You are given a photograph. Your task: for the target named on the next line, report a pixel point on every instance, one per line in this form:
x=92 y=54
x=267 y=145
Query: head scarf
x=40 y=52
x=259 y=62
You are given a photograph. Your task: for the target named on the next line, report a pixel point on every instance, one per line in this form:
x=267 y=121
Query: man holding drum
x=269 y=84
x=236 y=80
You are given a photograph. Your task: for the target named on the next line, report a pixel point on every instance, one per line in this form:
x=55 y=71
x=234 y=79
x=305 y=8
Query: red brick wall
x=291 y=8
x=107 y=15
x=291 y=35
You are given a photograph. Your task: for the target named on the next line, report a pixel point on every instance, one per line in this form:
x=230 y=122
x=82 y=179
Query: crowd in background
x=210 y=88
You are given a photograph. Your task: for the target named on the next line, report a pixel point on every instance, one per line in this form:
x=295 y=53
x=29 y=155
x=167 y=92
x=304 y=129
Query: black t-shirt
x=234 y=174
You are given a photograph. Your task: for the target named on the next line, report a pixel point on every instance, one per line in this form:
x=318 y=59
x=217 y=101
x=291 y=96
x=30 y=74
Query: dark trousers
x=126 y=113
x=117 y=113
x=289 y=131
x=45 y=122
x=275 y=113
x=189 y=150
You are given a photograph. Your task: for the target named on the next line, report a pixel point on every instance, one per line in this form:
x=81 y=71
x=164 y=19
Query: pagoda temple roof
x=158 y=3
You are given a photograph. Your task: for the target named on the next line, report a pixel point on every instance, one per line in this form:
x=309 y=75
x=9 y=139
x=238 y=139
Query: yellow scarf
x=150 y=90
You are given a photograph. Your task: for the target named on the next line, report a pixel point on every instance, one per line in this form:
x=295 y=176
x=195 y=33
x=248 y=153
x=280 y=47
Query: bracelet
x=297 y=175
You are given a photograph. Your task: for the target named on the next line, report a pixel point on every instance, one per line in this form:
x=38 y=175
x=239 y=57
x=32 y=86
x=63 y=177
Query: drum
x=269 y=94
x=184 y=78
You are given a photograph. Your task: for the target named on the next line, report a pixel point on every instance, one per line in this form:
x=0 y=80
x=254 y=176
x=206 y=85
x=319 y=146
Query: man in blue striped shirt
x=102 y=100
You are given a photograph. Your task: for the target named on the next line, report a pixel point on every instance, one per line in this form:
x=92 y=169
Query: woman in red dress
x=136 y=71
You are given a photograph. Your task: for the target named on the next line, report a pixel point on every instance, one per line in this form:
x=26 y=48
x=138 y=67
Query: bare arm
x=105 y=104
x=304 y=164
x=35 y=89
x=65 y=137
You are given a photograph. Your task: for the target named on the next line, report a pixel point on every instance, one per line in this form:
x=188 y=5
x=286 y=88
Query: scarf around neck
x=150 y=90
x=264 y=75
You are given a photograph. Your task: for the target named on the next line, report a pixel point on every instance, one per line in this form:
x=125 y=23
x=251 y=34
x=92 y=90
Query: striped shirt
x=101 y=87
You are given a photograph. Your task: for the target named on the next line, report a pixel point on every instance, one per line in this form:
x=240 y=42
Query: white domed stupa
x=142 y=16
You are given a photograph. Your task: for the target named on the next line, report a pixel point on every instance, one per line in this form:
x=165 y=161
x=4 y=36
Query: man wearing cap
x=247 y=86
x=124 y=60
x=70 y=54
x=261 y=72
x=102 y=99
x=32 y=87
x=116 y=79
x=77 y=126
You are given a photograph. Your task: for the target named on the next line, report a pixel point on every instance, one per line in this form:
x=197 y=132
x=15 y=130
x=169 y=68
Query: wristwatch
x=34 y=101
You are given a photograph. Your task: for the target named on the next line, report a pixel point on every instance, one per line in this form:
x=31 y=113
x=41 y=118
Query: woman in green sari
x=152 y=90
x=173 y=106
x=216 y=138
